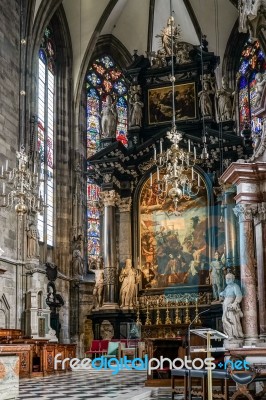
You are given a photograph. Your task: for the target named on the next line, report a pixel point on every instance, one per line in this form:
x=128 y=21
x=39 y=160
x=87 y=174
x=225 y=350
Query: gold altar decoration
x=148 y=320
x=158 y=318
x=167 y=319
x=177 y=318
x=187 y=318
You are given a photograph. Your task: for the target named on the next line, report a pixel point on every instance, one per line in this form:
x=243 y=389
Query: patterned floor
x=84 y=385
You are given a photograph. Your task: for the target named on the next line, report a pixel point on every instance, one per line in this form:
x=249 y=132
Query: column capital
x=124 y=204
x=245 y=212
x=261 y=212
x=109 y=198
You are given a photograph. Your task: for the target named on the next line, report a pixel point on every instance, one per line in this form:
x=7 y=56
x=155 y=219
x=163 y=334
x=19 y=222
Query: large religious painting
x=160 y=103
x=174 y=242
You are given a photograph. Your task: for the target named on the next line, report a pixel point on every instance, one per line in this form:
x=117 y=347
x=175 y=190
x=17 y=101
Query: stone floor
x=86 y=385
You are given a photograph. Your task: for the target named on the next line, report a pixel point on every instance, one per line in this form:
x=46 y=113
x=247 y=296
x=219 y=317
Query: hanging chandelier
x=176 y=176
x=24 y=186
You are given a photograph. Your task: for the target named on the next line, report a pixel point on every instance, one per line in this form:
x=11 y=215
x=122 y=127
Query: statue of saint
x=205 y=101
x=109 y=118
x=32 y=241
x=231 y=309
x=170 y=30
x=78 y=267
x=216 y=271
x=136 y=111
x=98 y=287
x=128 y=278
x=224 y=99
x=260 y=82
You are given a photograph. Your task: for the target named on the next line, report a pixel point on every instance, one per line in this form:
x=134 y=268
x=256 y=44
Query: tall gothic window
x=46 y=109
x=103 y=78
x=252 y=61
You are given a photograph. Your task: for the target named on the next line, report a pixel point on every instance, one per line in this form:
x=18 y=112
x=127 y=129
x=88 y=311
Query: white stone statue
x=205 y=100
x=225 y=104
x=136 y=111
x=248 y=10
x=32 y=241
x=109 y=118
x=128 y=278
x=99 y=282
x=260 y=83
x=232 y=313
x=166 y=33
x=217 y=267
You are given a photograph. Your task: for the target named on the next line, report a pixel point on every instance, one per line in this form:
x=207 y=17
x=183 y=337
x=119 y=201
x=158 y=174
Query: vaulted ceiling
x=135 y=23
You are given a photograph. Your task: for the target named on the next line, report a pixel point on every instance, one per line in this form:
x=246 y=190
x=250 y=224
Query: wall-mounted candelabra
x=20 y=187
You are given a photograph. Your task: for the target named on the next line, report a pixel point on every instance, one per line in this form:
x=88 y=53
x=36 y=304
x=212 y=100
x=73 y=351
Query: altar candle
x=189 y=145
x=198 y=180
x=151 y=179
x=154 y=153
x=161 y=146
x=195 y=154
x=158 y=175
x=192 y=174
x=6 y=165
x=4 y=188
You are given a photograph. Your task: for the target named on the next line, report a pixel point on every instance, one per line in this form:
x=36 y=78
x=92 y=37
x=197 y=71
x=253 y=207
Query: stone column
x=260 y=236
x=125 y=238
x=247 y=269
x=231 y=245
x=109 y=199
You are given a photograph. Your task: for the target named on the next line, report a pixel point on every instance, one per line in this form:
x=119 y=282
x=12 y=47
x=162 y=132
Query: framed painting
x=160 y=102
x=174 y=244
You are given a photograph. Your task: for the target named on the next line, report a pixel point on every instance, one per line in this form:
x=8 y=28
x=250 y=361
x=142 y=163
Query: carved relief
x=110 y=276
x=109 y=198
x=124 y=204
x=106 y=330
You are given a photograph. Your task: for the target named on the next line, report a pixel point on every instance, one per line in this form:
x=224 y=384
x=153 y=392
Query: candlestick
x=148 y=321
x=187 y=319
x=167 y=319
x=197 y=318
x=138 y=321
x=177 y=318
x=158 y=319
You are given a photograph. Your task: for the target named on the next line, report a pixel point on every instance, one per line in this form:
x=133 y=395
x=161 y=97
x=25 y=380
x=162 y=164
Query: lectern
x=208 y=334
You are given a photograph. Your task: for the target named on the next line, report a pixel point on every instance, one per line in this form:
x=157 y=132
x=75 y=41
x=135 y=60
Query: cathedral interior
x=132 y=180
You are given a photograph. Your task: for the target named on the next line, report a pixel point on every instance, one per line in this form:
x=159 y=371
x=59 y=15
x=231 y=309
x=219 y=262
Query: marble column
x=109 y=199
x=125 y=237
x=245 y=214
x=231 y=245
x=260 y=236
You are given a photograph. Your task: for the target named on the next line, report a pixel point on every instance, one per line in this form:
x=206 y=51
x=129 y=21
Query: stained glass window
x=103 y=78
x=45 y=139
x=252 y=61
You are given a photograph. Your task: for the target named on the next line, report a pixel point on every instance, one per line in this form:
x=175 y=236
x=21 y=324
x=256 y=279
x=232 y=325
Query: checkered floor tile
x=79 y=385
